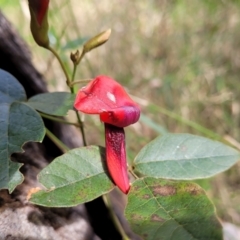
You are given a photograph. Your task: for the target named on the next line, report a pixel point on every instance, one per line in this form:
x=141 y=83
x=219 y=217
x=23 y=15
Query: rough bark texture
x=20 y=220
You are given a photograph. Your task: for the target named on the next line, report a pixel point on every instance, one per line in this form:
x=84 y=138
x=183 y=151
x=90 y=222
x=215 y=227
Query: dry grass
x=179 y=56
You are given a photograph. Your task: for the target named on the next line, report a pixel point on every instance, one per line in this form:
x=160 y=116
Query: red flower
x=106 y=97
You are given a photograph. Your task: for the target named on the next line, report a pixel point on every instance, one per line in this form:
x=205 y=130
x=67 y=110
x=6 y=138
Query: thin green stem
x=73 y=77
x=71 y=88
x=56 y=119
x=75 y=64
x=56 y=140
x=116 y=222
x=74 y=72
x=61 y=64
x=81 y=123
x=80 y=58
x=133 y=173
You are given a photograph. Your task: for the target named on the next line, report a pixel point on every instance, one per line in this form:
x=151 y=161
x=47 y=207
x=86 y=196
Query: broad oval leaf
x=18 y=125
x=76 y=177
x=56 y=103
x=168 y=210
x=184 y=156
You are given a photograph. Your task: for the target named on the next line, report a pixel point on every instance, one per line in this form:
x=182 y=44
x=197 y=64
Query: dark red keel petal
x=121 y=117
x=116 y=156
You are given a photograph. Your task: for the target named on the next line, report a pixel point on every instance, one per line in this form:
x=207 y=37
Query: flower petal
x=116 y=156
x=108 y=98
x=121 y=117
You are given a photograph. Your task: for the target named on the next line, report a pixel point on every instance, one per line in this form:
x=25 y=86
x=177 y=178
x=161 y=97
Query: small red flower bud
x=39 y=8
x=39 y=23
x=106 y=97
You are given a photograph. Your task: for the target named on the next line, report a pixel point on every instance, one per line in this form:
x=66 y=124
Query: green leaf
x=10 y=89
x=56 y=103
x=184 y=156
x=168 y=210
x=18 y=125
x=76 y=177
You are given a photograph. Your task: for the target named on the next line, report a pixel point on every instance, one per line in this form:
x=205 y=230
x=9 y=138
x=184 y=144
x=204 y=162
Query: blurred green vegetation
x=180 y=59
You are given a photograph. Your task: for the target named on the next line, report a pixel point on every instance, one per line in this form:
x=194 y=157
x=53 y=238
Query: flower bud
x=75 y=57
x=96 y=41
x=39 y=21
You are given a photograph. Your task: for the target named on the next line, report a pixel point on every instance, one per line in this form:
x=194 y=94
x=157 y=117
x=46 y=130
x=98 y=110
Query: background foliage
x=178 y=57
